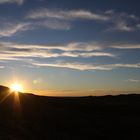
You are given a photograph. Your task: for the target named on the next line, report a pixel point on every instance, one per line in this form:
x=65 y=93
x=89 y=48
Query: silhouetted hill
x=68 y=118
x=3 y=89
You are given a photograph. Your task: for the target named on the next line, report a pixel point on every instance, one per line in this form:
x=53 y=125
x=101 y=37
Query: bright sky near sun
x=75 y=47
x=16 y=87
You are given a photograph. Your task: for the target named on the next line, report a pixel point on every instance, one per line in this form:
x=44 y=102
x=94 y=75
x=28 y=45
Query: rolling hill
x=32 y=117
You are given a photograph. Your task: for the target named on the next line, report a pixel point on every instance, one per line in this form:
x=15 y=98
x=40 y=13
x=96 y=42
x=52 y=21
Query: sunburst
x=16 y=87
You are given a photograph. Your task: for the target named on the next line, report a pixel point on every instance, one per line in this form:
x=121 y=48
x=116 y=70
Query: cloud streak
x=76 y=50
x=122 y=21
x=133 y=80
x=19 y=2
x=84 y=66
x=75 y=46
x=119 y=21
x=9 y=29
x=59 y=19
x=126 y=46
x=29 y=53
x=2 y=67
x=76 y=66
x=66 y=14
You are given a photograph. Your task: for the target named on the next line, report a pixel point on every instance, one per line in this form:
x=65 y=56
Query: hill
x=28 y=116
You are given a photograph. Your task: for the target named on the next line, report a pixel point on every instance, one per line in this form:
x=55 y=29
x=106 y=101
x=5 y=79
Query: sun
x=16 y=87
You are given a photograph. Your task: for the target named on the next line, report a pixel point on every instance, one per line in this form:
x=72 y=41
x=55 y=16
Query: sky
x=71 y=48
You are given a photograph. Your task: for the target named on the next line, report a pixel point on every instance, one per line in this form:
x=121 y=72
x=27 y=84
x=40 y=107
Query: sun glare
x=16 y=87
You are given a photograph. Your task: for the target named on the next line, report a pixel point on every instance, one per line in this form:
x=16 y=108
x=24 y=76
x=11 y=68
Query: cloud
x=126 y=46
x=119 y=21
x=85 y=50
x=122 y=21
x=1 y=67
x=76 y=66
x=85 y=66
x=133 y=80
x=87 y=54
x=138 y=26
x=110 y=12
x=19 y=2
x=14 y=51
x=58 y=19
x=66 y=14
x=31 y=53
x=9 y=29
x=37 y=81
x=123 y=26
x=75 y=46
x=137 y=65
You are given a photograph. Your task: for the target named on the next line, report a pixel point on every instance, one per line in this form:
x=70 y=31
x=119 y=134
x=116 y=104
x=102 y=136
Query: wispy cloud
x=122 y=21
x=66 y=14
x=1 y=67
x=19 y=2
x=62 y=19
x=87 y=54
x=85 y=66
x=75 y=46
x=133 y=80
x=76 y=66
x=29 y=53
x=136 y=65
x=122 y=25
x=9 y=29
x=126 y=46
x=85 y=50
x=59 y=19
x=119 y=21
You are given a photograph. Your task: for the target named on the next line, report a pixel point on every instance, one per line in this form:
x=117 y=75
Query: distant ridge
x=36 y=117
x=4 y=89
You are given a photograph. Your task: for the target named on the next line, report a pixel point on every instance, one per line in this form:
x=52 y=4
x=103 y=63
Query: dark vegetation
x=69 y=118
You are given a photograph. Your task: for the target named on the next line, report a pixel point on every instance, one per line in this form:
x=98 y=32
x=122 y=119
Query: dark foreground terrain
x=75 y=118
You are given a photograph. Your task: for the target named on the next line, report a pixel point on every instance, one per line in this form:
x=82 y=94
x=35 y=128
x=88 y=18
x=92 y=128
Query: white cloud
x=126 y=46
x=76 y=66
x=85 y=66
x=75 y=46
x=123 y=26
x=122 y=21
x=19 y=2
x=29 y=53
x=87 y=54
x=10 y=29
x=137 y=65
x=1 y=67
x=133 y=80
x=119 y=21
x=14 y=51
x=15 y=55
x=66 y=14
